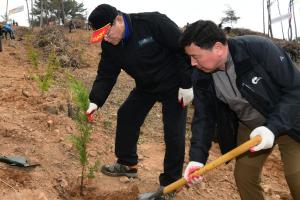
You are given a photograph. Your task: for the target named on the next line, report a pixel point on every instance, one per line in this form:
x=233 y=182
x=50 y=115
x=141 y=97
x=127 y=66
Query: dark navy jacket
x=151 y=55
x=266 y=77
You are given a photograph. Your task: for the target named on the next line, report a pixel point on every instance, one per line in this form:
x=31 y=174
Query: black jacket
x=266 y=77
x=151 y=55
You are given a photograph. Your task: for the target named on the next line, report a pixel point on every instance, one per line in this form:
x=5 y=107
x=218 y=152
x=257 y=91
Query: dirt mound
x=241 y=31
x=22 y=31
x=52 y=39
x=92 y=193
x=78 y=23
x=291 y=47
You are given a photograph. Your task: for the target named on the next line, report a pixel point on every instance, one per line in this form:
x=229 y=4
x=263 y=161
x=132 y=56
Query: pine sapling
x=44 y=79
x=80 y=98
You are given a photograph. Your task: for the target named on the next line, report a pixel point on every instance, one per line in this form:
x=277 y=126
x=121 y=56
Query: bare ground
x=24 y=131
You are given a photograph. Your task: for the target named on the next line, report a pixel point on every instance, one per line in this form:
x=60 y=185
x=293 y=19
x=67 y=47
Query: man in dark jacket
x=146 y=47
x=244 y=86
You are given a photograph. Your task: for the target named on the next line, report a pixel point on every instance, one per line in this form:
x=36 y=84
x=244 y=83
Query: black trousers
x=131 y=116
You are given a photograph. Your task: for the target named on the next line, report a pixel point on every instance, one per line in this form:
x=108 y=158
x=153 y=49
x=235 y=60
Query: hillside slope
x=25 y=130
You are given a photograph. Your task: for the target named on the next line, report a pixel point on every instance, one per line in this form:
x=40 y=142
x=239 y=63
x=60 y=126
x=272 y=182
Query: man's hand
x=267 y=138
x=92 y=108
x=192 y=167
x=185 y=96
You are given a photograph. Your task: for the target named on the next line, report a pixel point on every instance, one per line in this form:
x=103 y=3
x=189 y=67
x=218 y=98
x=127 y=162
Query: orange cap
x=99 y=34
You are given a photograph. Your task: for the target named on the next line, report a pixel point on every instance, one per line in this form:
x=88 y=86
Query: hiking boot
x=168 y=196
x=119 y=170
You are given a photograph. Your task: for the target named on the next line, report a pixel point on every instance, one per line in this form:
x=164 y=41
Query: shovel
x=18 y=161
x=219 y=161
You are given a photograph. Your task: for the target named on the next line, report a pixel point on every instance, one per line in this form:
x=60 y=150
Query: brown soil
x=24 y=131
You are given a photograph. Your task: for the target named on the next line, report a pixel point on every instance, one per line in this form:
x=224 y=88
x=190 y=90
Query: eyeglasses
x=109 y=30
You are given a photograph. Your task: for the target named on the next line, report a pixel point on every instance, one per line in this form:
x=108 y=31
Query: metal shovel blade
x=15 y=161
x=18 y=161
x=151 y=195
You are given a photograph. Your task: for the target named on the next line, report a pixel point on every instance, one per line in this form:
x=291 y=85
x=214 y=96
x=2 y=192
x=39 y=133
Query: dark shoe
x=168 y=196
x=119 y=170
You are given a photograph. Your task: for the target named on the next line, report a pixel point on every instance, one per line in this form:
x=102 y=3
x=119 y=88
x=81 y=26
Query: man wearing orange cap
x=145 y=45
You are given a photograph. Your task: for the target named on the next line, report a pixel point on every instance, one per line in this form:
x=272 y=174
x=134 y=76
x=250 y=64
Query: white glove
x=192 y=167
x=89 y=113
x=185 y=96
x=92 y=108
x=267 y=138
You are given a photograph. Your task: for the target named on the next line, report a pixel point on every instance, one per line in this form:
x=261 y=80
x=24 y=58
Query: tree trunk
x=6 y=15
x=32 y=13
x=81 y=181
x=62 y=12
x=29 y=21
x=42 y=13
x=295 y=24
x=270 y=32
x=280 y=20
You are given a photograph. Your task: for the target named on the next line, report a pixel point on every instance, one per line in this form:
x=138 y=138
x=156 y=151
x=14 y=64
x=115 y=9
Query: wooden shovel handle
x=219 y=161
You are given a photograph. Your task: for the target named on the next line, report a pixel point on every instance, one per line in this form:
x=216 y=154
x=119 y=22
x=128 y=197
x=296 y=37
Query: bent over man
x=7 y=29
x=244 y=86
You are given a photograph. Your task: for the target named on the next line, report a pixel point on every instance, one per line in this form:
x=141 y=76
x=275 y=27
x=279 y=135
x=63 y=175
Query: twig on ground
x=8 y=185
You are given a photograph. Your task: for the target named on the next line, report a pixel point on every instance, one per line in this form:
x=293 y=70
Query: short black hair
x=203 y=33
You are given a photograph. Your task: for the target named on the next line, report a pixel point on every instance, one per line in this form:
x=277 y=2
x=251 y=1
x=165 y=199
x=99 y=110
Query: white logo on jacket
x=255 y=79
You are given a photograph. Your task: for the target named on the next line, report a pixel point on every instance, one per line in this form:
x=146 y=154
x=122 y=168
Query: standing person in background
x=1 y=49
x=71 y=26
x=244 y=86
x=145 y=45
x=7 y=29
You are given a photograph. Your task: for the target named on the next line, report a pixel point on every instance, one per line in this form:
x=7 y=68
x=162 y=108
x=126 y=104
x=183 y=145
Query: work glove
x=89 y=113
x=267 y=138
x=185 y=96
x=192 y=167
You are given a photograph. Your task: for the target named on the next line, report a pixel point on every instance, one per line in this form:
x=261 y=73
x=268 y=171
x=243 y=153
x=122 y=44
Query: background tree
x=230 y=16
x=39 y=7
x=74 y=10
x=58 y=10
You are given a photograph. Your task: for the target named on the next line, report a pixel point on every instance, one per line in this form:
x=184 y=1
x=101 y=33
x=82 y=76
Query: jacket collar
x=237 y=50
x=128 y=27
x=240 y=56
